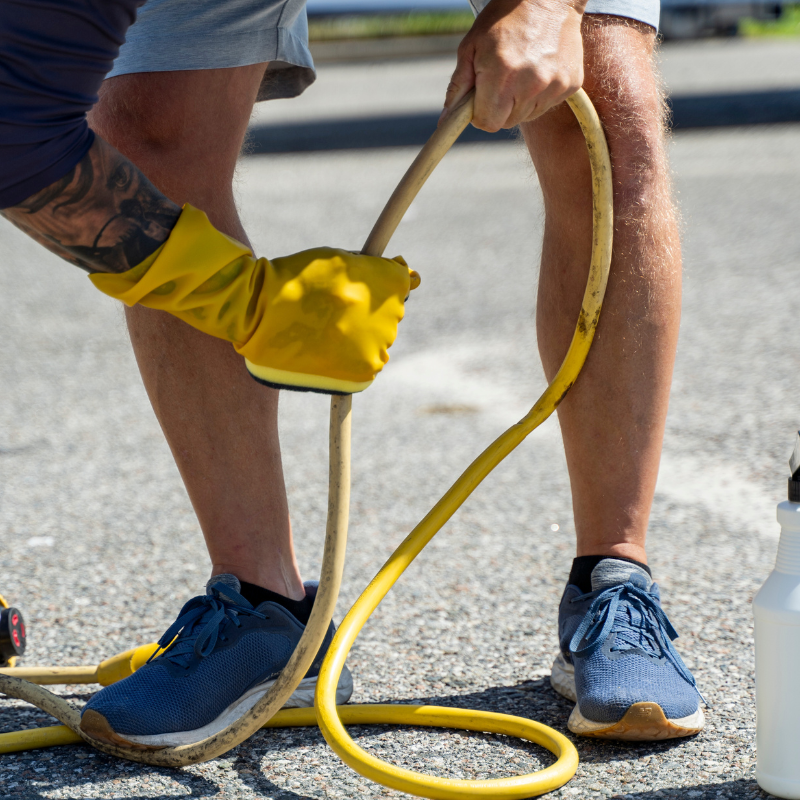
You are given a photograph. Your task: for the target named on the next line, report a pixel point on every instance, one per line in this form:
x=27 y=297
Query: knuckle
x=511 y=66
x=545 y=78
x=570 y=82
x=466 y=49
x=485 y=123
x=452 y=87
x=561 y=87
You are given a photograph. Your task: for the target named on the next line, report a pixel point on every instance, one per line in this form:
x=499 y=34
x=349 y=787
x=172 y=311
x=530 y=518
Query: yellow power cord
x=331 y=718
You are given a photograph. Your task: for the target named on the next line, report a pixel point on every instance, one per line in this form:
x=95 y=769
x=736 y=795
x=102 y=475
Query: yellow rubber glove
x=321 y=320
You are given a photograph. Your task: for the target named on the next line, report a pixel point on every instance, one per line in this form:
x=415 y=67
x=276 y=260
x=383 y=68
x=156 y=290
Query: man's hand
x=523 y=57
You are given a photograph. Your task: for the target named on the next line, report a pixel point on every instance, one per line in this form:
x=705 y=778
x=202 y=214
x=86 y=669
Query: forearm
x=104 y=215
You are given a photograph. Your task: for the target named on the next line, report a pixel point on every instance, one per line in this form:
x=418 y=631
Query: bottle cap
x=794 y=466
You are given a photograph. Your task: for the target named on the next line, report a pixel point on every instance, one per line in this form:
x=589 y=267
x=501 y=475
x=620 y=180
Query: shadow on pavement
x=42 y=786
x=533 y=699
x=733 y=790
x=355 y=134
x=741 y=108
x=537 y=700
x=694 y=111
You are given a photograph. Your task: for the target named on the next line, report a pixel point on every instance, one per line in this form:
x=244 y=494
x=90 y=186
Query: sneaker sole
x=642 y=722
x=97 y=726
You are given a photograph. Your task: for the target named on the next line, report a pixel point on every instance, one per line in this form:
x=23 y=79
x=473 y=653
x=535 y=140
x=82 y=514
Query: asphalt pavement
x=101 y=548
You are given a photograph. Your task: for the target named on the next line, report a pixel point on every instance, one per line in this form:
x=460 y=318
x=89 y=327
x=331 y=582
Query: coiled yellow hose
x=330 y=718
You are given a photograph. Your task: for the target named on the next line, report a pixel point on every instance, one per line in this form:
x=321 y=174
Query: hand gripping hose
x=326 y=714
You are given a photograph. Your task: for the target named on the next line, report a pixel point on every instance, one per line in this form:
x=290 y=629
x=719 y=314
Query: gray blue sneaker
x=617 y=662
x=224 y=657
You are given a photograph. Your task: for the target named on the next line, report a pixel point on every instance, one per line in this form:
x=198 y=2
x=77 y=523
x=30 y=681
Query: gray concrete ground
x=415 y=86
x=100 y=546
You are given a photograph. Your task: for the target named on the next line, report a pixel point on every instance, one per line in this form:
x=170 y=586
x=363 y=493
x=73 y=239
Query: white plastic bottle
x=776 y=609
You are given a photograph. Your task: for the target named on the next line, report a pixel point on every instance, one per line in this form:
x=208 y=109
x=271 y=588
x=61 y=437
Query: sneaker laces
x=637 y=619
x=201 y=622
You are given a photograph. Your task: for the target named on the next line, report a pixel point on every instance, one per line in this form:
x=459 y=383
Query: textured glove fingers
x=351 y=305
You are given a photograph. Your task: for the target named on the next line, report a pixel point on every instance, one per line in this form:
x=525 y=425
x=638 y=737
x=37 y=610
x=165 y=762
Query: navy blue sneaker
x=617 y=662
x=224 y=657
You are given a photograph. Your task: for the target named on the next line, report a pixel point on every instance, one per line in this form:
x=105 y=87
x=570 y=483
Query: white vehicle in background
x=691 y=19
x=334 y=7
x=680 y=19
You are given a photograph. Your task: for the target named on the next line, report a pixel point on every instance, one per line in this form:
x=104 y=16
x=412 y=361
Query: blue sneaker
x=617 y=662
x=224 y=657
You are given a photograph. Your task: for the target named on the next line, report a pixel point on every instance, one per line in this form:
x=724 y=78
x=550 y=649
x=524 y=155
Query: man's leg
x=613 y=419
x=616 y=660
x=184 y=130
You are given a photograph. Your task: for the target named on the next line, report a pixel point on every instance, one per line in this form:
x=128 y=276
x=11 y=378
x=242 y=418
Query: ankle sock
x=581 y=573
x=299 y=609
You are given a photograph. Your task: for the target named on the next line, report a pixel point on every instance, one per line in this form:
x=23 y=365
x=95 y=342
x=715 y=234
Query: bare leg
x=184 y=130
x=613 y=419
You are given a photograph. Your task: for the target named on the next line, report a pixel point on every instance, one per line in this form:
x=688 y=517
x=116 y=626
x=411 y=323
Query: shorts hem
x=165 y=54
x=612 y=9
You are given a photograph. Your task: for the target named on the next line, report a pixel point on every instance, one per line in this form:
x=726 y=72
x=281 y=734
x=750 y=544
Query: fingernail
x=442 y=116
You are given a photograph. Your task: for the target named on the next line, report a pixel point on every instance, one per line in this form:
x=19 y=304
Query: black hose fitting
x=12 y=634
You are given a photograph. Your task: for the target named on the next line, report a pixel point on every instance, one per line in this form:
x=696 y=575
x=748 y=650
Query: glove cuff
x=194 y=251
x=303 y=382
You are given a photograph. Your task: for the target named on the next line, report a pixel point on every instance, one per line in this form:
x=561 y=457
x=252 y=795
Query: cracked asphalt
x=101 y=548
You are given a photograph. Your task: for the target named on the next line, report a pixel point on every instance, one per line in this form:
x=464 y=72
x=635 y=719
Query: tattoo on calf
x=104 y=215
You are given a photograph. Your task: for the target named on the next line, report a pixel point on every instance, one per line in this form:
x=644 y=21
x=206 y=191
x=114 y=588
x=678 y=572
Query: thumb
x=462 y=82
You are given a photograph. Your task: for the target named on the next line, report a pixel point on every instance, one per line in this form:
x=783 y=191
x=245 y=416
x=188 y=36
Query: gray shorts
x=173 y=35
x=216 y=34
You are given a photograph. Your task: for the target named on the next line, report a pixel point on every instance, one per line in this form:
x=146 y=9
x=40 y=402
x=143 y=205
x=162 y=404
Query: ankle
x=284 y=582
x=256 y=595
x=582 y=570
x=628 y=550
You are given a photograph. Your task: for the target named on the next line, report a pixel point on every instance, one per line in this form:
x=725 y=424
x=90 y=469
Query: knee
x=135 y=119
x=626 y=92
x=154 y=124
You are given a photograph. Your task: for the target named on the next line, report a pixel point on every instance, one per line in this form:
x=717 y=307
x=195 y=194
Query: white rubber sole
x=642 y=722
x=303 y=697
x=562 y=678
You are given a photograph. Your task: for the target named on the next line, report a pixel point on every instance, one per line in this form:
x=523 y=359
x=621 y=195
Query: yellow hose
x=330 y=718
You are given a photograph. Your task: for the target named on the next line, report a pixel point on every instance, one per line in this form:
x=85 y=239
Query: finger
x=530 y=109
x=539 y=97
x=462 y=81
x=494 y=102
